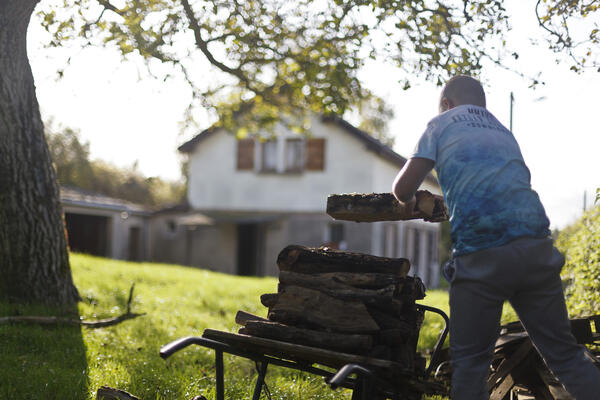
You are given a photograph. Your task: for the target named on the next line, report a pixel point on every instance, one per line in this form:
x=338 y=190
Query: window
x=269 y=155
x=294 y=155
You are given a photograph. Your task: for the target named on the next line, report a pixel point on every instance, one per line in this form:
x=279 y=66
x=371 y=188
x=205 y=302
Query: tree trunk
x=34 y=262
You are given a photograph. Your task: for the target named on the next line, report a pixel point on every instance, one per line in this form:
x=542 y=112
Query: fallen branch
x=70 y=321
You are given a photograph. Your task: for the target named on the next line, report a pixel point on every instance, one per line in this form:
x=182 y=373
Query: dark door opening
x=88 y=233
x=134 y=243
x=247 y=249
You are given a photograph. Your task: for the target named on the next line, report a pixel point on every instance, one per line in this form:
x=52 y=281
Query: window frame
x=300 y=156
x=263 y=158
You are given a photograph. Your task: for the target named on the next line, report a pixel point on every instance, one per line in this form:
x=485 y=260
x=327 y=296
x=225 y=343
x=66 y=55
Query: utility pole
x=512 y=101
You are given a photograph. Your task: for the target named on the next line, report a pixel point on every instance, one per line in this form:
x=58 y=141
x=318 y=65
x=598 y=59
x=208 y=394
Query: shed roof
x=73 y=196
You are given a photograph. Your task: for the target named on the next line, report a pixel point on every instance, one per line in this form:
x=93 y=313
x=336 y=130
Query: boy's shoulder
x=465 y=114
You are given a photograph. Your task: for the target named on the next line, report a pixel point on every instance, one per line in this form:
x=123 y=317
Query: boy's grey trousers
x=526 y=273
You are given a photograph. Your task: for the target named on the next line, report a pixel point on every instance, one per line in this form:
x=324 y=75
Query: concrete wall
x=215 y=247
x=167 y=239
x=212 y=247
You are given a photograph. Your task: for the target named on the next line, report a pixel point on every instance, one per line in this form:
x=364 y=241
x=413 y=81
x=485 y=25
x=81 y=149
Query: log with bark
x=332 y=287
x=312 y=308
x=307 y=260
x=373 y=207
x=348 y=343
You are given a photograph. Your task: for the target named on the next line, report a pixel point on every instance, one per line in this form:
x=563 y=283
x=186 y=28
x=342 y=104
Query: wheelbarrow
x=368 y=378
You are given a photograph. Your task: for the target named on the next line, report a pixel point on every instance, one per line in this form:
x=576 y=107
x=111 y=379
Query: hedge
x=580 y=243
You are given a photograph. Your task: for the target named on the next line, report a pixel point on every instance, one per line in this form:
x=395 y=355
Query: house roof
x=189 y=146
x=73 y=196
x=371 y=142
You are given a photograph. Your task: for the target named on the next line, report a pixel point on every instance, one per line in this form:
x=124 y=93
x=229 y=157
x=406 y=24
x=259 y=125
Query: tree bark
x=34 y=261
x=305 y=260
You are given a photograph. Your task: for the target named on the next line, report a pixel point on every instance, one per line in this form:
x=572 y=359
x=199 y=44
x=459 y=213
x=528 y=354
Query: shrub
x=581 y=274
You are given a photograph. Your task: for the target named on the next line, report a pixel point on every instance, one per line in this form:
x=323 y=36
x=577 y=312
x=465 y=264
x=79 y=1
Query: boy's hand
x=439 y=212
x=410 y=208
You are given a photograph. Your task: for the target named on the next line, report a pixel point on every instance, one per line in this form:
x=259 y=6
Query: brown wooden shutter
x=245 y=154
x=315 y=154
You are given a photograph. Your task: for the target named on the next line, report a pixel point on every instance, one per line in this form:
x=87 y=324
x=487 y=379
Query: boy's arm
x=410 y=178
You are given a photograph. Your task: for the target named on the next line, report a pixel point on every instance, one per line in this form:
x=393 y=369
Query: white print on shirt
x=479 y=119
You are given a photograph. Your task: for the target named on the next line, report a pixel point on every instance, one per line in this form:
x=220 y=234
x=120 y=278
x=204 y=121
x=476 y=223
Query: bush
x=581 y=274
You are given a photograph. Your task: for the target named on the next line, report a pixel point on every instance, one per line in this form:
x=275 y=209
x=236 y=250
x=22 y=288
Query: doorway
x=88 y=233
x=248 y=249
x=135 y=236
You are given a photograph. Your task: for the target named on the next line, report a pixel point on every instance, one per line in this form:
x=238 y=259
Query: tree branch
x=108 y=6
x=203 y=46
x=69 y=321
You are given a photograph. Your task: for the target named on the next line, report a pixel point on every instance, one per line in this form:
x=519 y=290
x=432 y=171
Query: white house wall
x=215 y=184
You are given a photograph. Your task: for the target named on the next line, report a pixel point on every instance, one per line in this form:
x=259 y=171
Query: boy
x=501 y=244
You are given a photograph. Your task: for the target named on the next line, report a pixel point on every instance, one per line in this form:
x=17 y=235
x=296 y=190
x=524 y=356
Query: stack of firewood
x=342 y=301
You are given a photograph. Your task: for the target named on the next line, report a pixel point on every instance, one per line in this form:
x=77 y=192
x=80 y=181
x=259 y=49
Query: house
x=105 y=226
x=249 y=198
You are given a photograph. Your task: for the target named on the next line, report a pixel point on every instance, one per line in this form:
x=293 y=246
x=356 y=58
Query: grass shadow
x=42 y=362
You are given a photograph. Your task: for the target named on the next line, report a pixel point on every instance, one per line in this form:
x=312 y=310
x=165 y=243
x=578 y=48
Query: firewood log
x=242 y=317
x=336 y=289
x=268 y=299
x=393 y=337
x=388 y=321
x=373 y=207
x=301 y=306
x=381 y=351
x=307 y=260
x=349 y=343
x=364 y=280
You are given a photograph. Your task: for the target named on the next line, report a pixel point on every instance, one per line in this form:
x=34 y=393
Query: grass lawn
x=72 y=363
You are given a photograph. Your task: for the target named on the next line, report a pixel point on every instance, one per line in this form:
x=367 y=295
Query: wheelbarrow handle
x=173 y=347
x=338 y=379
x=433 y=361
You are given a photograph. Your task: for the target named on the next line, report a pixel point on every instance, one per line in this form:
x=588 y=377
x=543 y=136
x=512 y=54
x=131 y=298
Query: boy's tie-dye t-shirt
x=485 y=181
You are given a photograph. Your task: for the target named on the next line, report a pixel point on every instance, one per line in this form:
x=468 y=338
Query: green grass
x=65 y=362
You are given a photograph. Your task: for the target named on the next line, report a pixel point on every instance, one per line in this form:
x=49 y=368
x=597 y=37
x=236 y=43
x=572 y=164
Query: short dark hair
x=464 y=89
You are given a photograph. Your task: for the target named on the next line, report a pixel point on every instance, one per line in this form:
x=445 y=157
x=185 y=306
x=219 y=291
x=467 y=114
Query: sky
x=129 y=117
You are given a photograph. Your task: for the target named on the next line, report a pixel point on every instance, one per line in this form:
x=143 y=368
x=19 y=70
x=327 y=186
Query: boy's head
x=459 y=90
